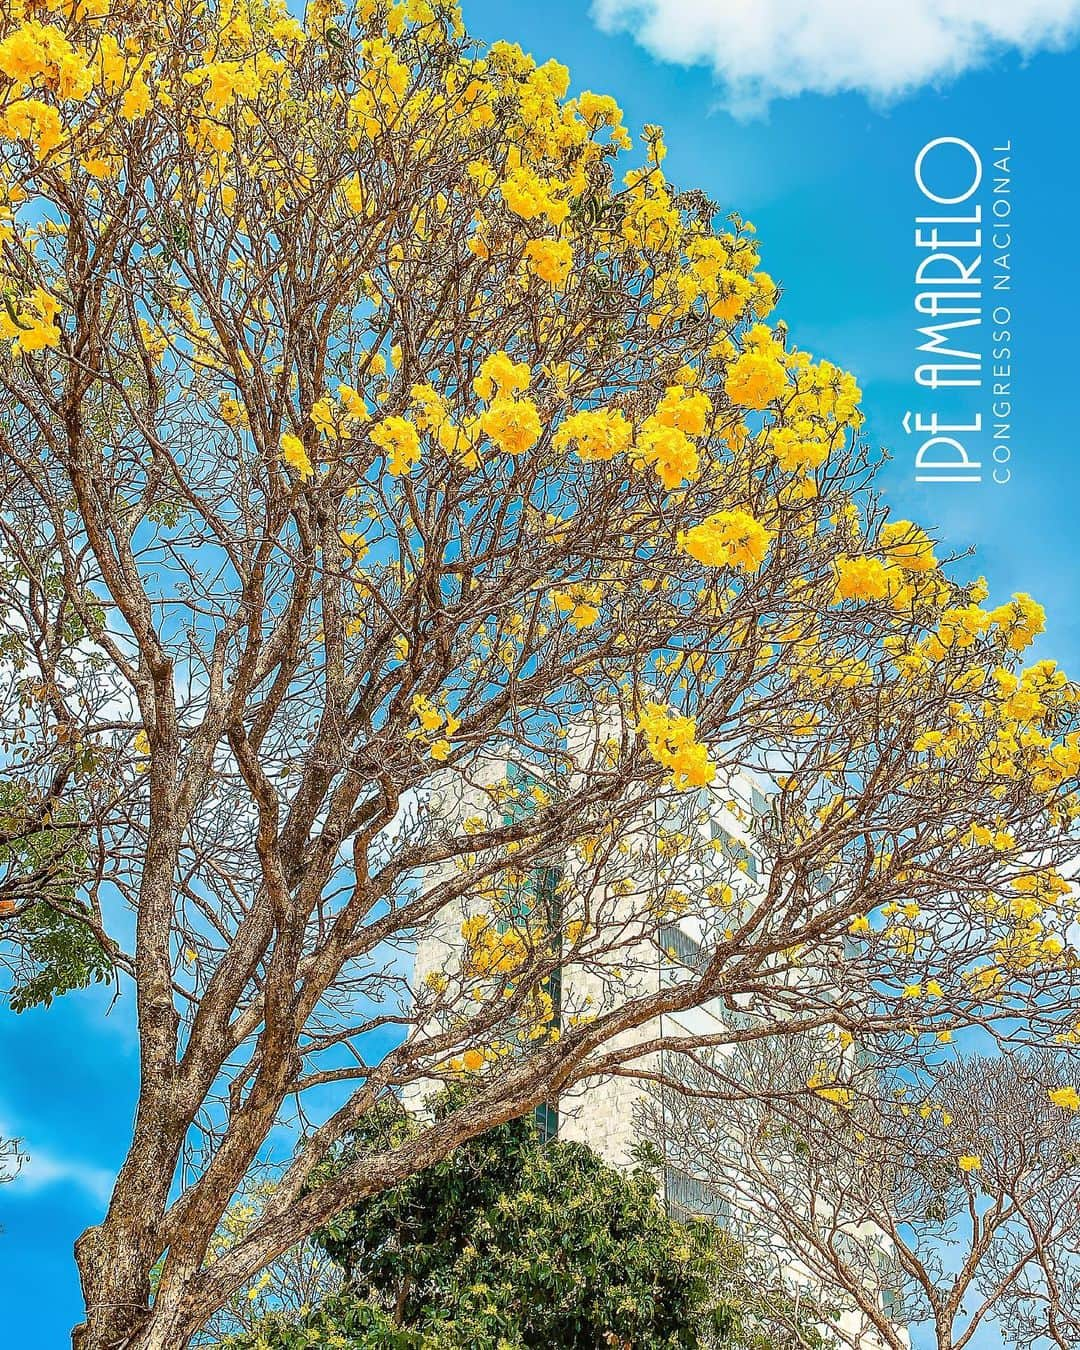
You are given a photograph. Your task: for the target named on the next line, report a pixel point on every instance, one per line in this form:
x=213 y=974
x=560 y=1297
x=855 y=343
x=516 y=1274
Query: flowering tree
x=367 y=421
x=949 y=1200
x=516 y=1240
x=508 y=1241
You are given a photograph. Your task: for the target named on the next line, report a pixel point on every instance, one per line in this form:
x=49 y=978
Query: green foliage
x=342 y=1320
x=404 y=1240
x=509 y=1244
x=55 y=954
x=44 y=945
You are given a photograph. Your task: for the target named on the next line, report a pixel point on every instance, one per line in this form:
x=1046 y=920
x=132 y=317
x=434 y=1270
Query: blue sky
x=827 y=178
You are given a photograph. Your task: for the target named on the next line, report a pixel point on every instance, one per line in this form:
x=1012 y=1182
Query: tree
x=510 y=1242
x=302 y=1278
x=950 y=1200
x=373 y=426
x=51 y=936
x=11 y=1159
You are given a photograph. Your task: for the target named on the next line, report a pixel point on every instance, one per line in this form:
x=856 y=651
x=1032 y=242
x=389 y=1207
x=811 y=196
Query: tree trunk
x=115 y=1286
x=115 y=1258
x=119 y=1313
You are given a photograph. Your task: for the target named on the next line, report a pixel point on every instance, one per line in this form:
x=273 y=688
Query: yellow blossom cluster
x=758 y=376
x=295 y=456
x=822 y=410
x=859 y=579
x=511 y=422
x=550 y=260
x=398 y=437
x=728 y=539
x=528 y=195
x=32 y=326
x=594 y=434
x=489 y=952
x=664 y=441
x=839 y=1094
x=436 y=725
x=671 y=740
x=581 y=602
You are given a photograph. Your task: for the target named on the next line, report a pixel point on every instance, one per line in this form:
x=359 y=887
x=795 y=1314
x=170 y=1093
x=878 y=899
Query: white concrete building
x=605 y=1112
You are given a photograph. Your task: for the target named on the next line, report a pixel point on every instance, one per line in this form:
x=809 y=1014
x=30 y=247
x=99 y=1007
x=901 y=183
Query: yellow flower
x=969 y=1162
x=398 y=437
x=837 y=1094
x=1021 y=621
x=440 y=749
x=136 y=102
x=670 y=452
x=907 y=546
x=355 y=544
x=353 y=404
x=728 y=539
x=473 y=1060
x=797 y=448
x=550 y=260
x=687 y=411
x=512 y=424
x=230 y=411
x=34 y=326
x=31 y=119
x=596 y=433
x=581 y=603
x=671 y=741
x=601 y=110
x=322 y=416
x=500 y=375
x=1066 y=1097
x=295 y=456
x=529 y=196
x=755 y=380
x=429 y=407
x=429 y=716
x=859 y=579
x=97 y=166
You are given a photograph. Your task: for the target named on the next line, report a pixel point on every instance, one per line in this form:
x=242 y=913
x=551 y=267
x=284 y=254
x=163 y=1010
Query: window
x=687 y=1197
x=679 y=946
x=547 y=1122
x=736 y=851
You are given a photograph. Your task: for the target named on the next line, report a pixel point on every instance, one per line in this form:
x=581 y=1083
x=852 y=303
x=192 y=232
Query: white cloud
x=766 y=49
x=40 y=1169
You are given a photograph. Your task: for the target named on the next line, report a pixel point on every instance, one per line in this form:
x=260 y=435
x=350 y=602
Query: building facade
x=614 y=1112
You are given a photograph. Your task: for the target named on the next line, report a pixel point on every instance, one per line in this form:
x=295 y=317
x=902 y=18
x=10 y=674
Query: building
x=648 y=952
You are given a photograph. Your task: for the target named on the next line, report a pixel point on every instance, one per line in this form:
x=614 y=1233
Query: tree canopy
x=508 y=1242
x=374 y=413
x=947 y=1200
